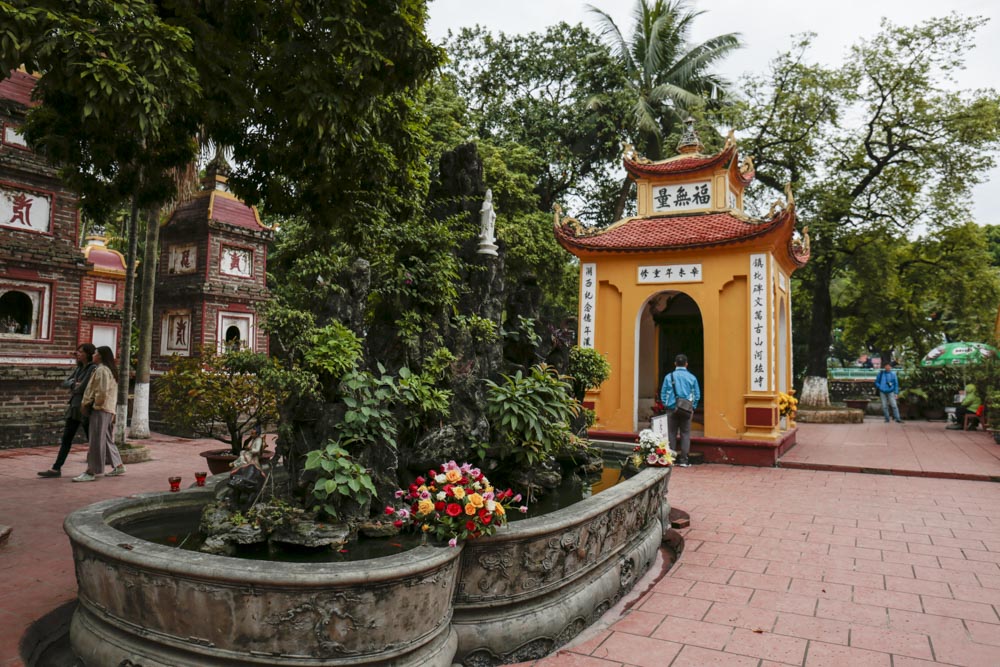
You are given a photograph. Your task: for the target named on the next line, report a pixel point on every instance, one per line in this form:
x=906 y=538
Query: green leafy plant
x=588 y=368
x=220 y=396
x=532 y=414
x=422 y=399
x=334 y=350
x=482 y=330
x=368 y=419
x=338 y=477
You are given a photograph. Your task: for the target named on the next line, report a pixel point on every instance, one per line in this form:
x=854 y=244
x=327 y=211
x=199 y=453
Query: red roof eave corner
x=682 y=164
x=17 y=87
x=798 y=248
x=674 y=232
x=737 y=173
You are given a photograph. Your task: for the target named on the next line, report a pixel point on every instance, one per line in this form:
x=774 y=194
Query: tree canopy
x=878 y=148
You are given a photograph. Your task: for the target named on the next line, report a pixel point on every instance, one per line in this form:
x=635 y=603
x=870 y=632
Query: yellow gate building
x=692 y=273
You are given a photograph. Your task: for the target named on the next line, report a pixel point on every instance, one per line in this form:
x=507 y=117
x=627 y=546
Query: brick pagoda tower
x=211 y=275
x=41 y=271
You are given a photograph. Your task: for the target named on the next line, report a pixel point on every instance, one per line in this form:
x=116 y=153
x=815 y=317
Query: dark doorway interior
x=15 y=312
x=233 y=338
x=681 y=331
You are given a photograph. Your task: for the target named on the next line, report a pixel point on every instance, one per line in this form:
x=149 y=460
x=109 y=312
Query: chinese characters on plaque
x=236 y=262
x=670 y=273
x=25 y=210
x=176 y=332
x=588 y=304
x=760 y=375
x=183 y=258
x=682 y=197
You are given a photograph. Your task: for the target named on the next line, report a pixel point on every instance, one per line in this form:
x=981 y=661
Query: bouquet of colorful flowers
x=456 y=502
x=652 y=450
x=787 y=403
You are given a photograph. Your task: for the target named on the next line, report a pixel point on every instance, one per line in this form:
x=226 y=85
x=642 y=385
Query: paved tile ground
x=780 y=566
x=36 y=562
x=816 y=568
x=914 y=447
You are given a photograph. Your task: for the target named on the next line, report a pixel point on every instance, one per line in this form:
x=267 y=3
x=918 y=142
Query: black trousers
x=69 y=432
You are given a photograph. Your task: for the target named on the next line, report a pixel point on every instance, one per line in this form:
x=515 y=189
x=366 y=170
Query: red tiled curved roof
x=682 y=164
x=18 y=87
x=234 y=212
x=219 y=207
x=670 y=232
x=105 y=259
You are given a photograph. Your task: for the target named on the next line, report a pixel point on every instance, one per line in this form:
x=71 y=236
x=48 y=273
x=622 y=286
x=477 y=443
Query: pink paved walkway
x=912 y=448
x=37 y=562
x=822 y=569
x=780 y=567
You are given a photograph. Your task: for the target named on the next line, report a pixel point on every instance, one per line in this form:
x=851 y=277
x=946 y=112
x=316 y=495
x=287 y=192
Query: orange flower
x=476 y=500
x=470 y=509
x=453 y=475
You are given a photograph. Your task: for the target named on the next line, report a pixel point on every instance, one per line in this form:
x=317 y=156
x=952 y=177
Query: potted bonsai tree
x=220 y=396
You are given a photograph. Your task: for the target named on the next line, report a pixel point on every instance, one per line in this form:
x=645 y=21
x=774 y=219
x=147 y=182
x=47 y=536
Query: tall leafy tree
x=875 y=148
x=532 y=91
x=315 y=99
x=901 y=297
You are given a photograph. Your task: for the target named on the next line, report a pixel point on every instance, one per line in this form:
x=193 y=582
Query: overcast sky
x=766 y=26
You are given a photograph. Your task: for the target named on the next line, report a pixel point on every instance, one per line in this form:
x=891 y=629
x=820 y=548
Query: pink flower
x=523 y=509
x=400 y=493
x=517 y=498
x=453 y=542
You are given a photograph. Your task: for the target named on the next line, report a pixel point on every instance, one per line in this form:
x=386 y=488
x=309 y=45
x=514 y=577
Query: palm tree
x=666 y=76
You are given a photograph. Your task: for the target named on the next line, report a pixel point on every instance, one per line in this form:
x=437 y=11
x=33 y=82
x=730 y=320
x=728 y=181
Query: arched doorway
x=233 y=338
x=669 y=324
x=16 y=310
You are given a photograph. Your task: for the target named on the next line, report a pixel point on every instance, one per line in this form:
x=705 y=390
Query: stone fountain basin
x=164 y=607
x=509 y=597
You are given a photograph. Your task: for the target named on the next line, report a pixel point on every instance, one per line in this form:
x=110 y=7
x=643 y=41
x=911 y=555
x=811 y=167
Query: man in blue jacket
x=888 y=389
x=683 y=385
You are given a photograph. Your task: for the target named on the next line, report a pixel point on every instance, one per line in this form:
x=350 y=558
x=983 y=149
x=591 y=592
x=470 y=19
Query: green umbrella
x=959 y=354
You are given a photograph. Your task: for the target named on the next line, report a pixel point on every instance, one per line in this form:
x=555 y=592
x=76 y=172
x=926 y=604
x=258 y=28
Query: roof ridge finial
x=689 y=143
x=217 y=171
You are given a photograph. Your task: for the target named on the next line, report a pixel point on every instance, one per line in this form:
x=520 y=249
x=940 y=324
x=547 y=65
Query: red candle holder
x=199 y=478
x=175 y=483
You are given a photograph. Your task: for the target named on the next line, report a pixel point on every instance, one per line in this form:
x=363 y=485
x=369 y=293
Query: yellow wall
x=723 y=299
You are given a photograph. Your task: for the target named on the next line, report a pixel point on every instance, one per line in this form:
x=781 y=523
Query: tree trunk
x=140 y=405
x=126 y=341
x=622 y=199
x=821 y=321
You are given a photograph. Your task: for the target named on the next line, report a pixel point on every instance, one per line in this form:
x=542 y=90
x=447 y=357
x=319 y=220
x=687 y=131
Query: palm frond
x=613 y=38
